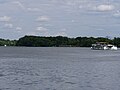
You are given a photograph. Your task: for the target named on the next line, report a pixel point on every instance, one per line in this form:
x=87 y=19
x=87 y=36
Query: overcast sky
x=72 y=18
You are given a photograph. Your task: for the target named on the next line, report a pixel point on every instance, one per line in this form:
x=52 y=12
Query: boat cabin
x=103 y=46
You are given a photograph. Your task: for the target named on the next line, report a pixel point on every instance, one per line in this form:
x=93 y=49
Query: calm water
x=23 y=68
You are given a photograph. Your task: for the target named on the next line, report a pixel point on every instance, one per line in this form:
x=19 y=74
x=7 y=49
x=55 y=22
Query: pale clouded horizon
x=70 y=18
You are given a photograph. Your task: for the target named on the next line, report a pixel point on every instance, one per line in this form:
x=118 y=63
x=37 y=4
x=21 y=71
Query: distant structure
x=103 y=46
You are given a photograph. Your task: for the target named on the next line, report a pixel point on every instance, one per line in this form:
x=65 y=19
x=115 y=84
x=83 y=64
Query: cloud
x=104 y=7
x=24 y=7
x=41 y=29
x=43 y=19
x=8 y=25
x=18 y=28
x=5 y=19
x=33 y=9
x=117 y=14
x=61 y=34
x=31 y=33
x=19 y=4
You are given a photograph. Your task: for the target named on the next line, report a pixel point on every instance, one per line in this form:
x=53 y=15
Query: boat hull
x=103 y=47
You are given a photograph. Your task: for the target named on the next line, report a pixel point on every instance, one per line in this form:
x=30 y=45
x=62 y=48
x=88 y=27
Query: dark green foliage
x=59 y=41
x=85 y=41
x=7 y=42
x=36 y=41
x=116 y=41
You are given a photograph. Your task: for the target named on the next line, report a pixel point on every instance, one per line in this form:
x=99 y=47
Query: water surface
x=53 y=68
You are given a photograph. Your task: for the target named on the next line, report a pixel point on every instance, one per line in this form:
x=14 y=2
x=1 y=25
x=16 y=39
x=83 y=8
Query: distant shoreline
x=58 y=41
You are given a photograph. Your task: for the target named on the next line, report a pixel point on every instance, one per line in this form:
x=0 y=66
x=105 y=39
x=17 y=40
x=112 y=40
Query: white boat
x=103 y=46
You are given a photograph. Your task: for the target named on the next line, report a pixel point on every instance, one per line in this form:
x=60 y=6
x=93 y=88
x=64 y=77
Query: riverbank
x=58 y=41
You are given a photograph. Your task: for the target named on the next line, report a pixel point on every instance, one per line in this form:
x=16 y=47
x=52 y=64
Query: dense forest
x=58 y=41
x=7 y=42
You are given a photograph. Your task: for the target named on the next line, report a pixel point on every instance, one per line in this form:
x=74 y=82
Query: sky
x=71 y=18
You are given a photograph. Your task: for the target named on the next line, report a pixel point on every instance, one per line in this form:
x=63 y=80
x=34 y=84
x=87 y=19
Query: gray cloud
x=19 y=4
x=5 y=19
x=41 y=29
x=8 y=25
x=43 y=19
x=76 y=16
x=105 y=7
x=18 y=28
x=117 y=14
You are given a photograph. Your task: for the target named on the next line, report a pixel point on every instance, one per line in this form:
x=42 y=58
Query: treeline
x=60 y=41
x=7 y=42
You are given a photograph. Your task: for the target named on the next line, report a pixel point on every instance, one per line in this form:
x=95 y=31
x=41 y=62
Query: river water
x=63 y=68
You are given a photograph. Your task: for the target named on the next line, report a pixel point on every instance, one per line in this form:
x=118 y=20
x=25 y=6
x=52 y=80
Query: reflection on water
x=23 y=68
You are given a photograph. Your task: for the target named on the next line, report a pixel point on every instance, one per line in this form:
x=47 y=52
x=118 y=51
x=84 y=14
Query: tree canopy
x=58 y=41
x=7 y=42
